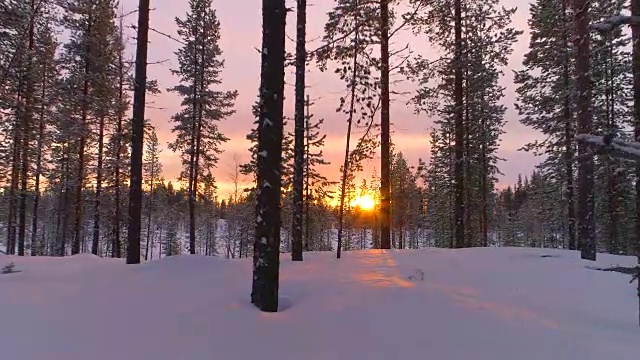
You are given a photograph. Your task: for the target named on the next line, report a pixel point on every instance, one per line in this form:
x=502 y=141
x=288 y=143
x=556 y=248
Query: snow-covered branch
x=606 y=144
x=614 y=22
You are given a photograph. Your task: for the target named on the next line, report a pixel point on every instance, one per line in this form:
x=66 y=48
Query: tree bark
x=27 y=120
x=15 y=176
x=569 y=150
x=345 y=165
x=612 y=184
x=307 y=189
x=635 y=35
x=385 y=154
x=298 y=147
x=75 y=246
x=484 y=190
x=150 y=209
x=98 y=194
x=586 y=223
x=65 y=201
x=459 y=206
x=266 y=260
x=192 y=155
x=116 y=243
x=38 y=172
x=193 y=198
x=137 y=136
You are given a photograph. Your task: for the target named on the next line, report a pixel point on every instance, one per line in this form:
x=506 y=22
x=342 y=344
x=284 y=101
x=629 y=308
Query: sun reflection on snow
x=385 y=277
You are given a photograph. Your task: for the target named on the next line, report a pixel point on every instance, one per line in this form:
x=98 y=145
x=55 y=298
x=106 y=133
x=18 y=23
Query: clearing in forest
x=481 y=304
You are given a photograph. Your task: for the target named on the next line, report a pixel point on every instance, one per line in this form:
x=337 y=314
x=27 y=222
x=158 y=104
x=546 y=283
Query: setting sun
x=364 y=202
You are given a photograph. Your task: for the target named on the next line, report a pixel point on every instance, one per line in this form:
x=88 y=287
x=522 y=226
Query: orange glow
x=364 y=202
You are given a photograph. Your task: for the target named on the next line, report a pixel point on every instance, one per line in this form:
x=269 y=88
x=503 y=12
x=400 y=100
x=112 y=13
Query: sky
x=240 y=36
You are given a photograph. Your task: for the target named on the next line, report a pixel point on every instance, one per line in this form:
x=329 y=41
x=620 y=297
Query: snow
x=612 y=23
x=630 y=150
x=483 y=303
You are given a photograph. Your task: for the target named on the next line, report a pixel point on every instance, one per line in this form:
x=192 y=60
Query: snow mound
x=493 y=304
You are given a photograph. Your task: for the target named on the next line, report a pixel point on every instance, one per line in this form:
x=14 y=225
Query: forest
x=67 y=89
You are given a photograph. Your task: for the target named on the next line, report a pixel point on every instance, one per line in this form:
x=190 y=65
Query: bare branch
x=408 y=18
x=163 y=34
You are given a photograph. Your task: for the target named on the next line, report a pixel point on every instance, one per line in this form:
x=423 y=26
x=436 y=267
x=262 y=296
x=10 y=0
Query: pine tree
x=315 y=184
x=198 y=137
x=152 y=177
x=545 y=98
x=48 y=81
x=27 y=111
x=117 y=157
x=612 y=114
x=19 y=101
x=64 y=146
x=172 y=242
x=88 y=57
x=477 y=39
x=349 y=32
x=404 y=185
x=104 y=115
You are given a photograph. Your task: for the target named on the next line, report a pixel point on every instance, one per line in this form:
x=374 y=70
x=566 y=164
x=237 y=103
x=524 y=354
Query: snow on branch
x=614 y=22
x=607 y=144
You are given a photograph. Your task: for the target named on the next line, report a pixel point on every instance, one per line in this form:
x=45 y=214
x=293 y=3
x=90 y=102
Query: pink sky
x=241 y=33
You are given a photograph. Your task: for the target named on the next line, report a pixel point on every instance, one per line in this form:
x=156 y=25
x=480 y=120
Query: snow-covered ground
x=493 y=304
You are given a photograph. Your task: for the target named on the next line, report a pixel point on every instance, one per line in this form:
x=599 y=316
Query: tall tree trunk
x=459 y=206
x=75 y=246
x=137 y=136
x=98 y=193
x=635 y=34
x=192 y=155
x=612 y=184
x=150 y=209
x=64 y=208
x=159 y=244
x=569 y=150
x=116 y=243
x=568 y=164
x=586 y=223
x=194 y=189
x=298 y=148
x=196 y=159
x=307 y=176
x=38 y=172
x=484 y=180
x=24 y=174
x=266 y=262
x=469 y=228
x=26 y=133
x=484 y=167
x=385 y=140
x=15 y=175
x=345 y=165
